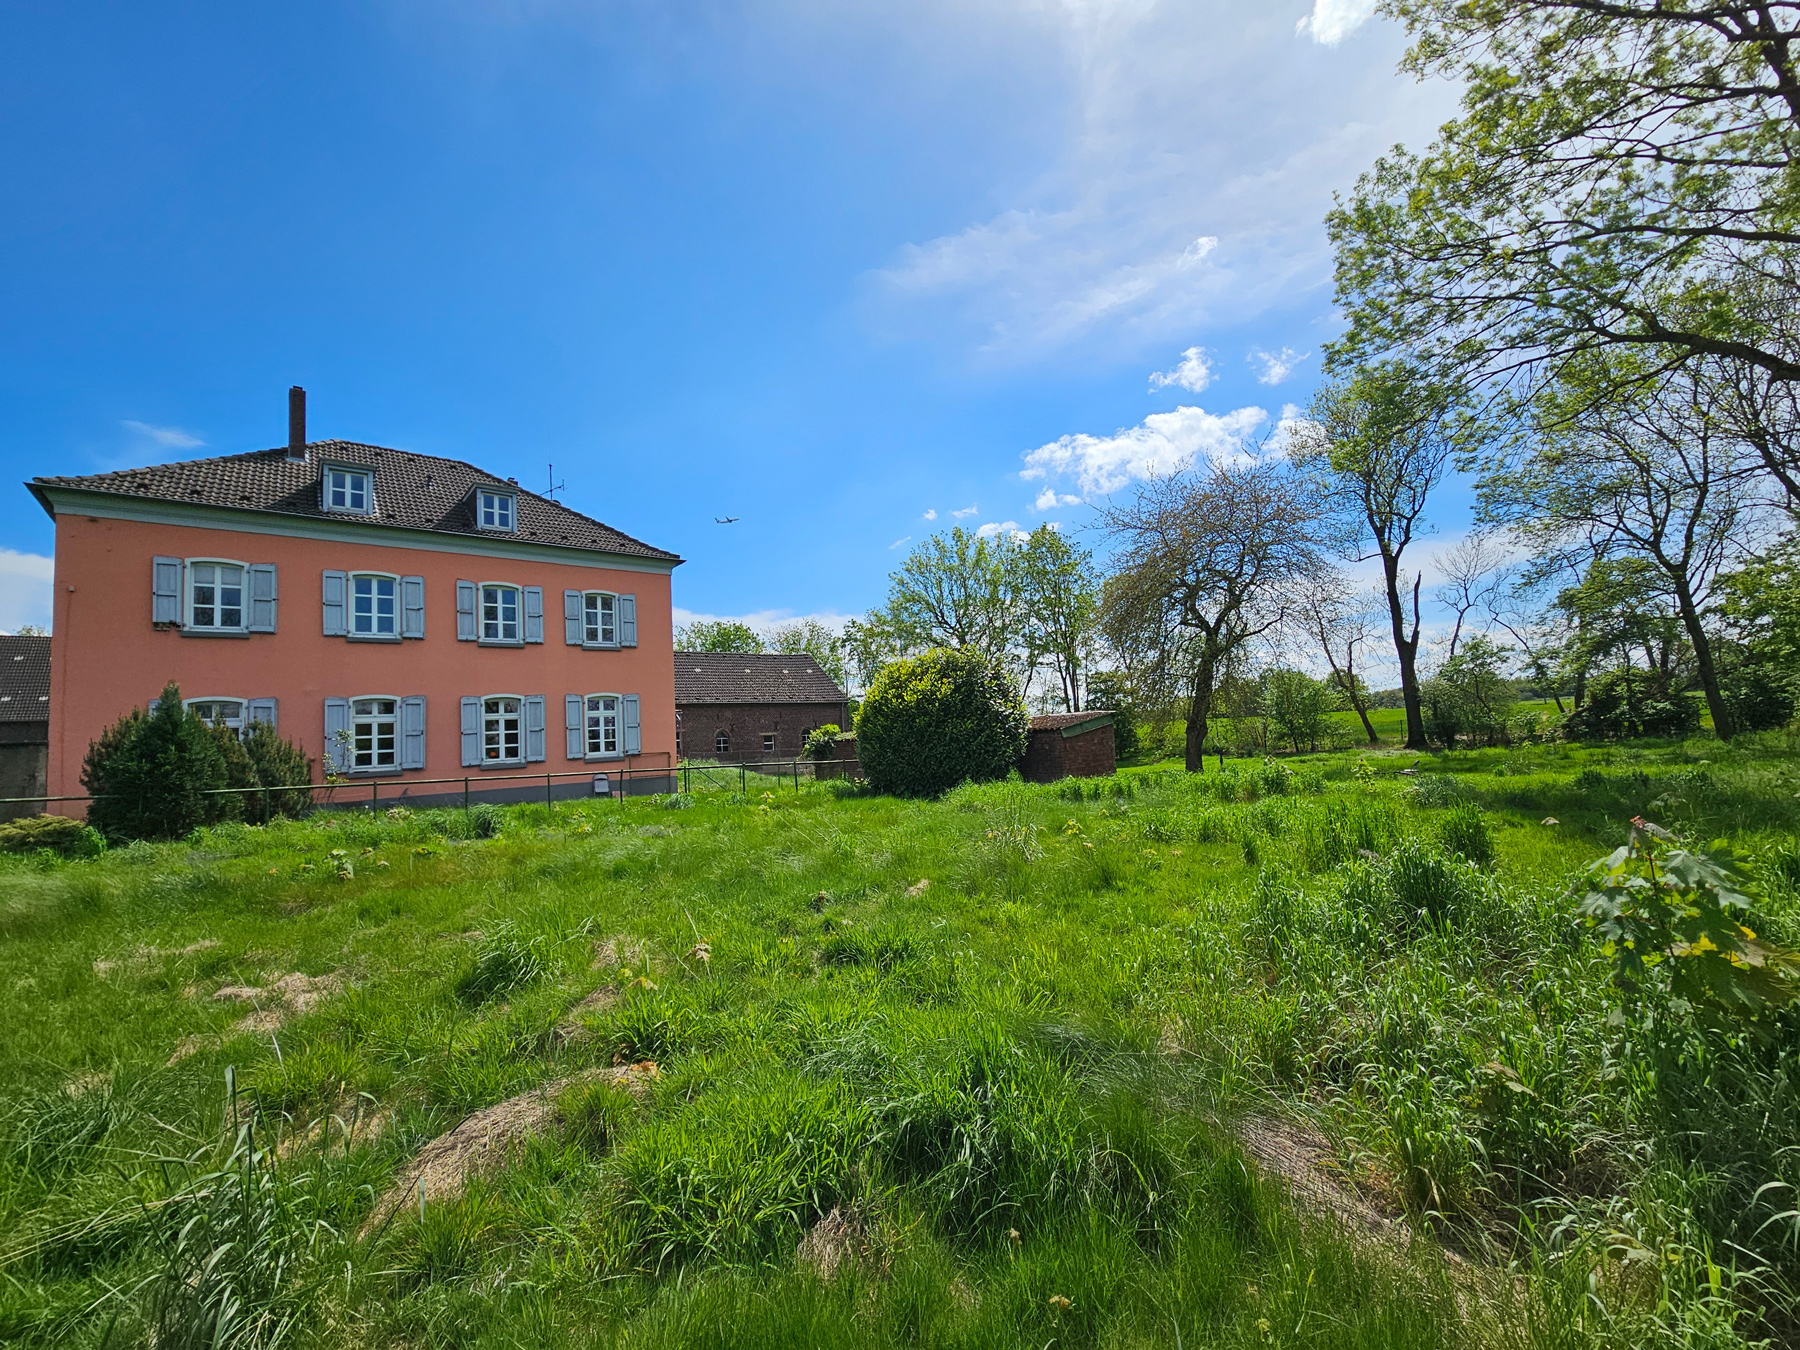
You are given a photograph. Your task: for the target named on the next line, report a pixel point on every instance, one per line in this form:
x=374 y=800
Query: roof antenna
x=555 y=487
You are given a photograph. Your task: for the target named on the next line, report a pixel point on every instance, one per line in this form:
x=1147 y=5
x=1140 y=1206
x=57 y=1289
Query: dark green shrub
x=59 y=834
x=1759 y=698
x=937 y=720
x=275 y=765
x=1464 y=831
x=821 y=742
x=1623 y=704
x=150 y=772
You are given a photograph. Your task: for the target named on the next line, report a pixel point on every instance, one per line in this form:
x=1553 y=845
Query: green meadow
x=1310 y=1052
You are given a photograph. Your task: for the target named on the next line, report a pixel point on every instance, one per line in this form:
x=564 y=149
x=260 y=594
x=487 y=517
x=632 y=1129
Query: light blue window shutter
x=534 y=729
x=572 y=618
x=165 y=590
x=337 y=734
x=572 y=717
x=262 y=598
x=634 y=740
x=465 y=613
x=471 y=732
x=412 y=732
x=534 y=613
x=261 y=710
x=412 y=607
x=628 y=621
x=335 y=585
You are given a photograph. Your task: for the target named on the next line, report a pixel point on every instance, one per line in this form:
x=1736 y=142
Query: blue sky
x=827 y=267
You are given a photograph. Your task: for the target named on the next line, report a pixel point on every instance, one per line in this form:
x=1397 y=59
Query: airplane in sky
x=726 y=520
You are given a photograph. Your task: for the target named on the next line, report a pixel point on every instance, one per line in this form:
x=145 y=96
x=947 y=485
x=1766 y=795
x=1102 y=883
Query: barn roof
x=738 y=677
x=24 y=679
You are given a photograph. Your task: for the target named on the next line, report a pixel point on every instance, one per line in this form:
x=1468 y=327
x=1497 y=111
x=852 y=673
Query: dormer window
x=495 y=510
x=349 y=491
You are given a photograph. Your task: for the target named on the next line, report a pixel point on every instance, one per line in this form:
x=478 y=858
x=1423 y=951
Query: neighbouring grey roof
x=24 y=679
x=1072 y=724
x=734 y=677
x=412 y=491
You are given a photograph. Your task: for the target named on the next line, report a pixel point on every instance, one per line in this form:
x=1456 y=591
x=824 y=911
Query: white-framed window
x=502 y=730
x=349 y=490
x=374 y=733
x=495 y=510
x=215 y=599
x=374 y=605
x=768 y=742
x=603 y=724
x=722 y=743
x=600 y=619
x=218 y=711
x=499 y=613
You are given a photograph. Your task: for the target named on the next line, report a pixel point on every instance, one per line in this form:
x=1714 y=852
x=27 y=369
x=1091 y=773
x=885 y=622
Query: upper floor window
x=219 y=712
x=374 y=601
x=374 y=733
x=494 y=510
x=600 y=619
x=349 y=490
x=216 y=597
x=500 y=614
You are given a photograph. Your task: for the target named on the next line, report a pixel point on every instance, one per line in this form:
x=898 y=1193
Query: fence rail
x=348 y=793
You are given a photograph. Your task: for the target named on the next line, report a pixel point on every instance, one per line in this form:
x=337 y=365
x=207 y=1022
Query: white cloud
x=1049 y=499
x=931 y=515
x=1191 y=151
x=966 y=512
x=1194 y=372
x=1198 y=251
x=1331 y=21
x=903 y=539
x=1162 y=443
x=166 y=438
x=1276 y=366
x=25 y=589
x=1006 y=527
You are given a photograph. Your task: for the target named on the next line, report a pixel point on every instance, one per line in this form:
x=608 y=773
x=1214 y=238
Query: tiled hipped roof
x=24 y=679
x=734 y=677
x=414 y=492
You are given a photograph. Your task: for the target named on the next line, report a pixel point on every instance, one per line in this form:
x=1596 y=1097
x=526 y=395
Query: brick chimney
x=296 y=451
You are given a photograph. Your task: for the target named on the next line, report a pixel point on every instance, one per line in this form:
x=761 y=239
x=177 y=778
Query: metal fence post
x=547 y=803
x=465 y=792
x=375 y=794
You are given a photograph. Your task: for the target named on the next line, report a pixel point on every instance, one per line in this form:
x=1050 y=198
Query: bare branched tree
x=1342 y=623
x=1475 y=573
x=1206 y=561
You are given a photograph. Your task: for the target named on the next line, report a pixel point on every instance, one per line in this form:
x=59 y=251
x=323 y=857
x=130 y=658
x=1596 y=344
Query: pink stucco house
x=403 y=617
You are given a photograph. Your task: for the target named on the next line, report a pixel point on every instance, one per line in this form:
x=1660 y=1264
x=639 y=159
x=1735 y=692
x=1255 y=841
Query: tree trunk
x=1199 y=707
x=1406 y=650
x=1724 y=727
x=1362 y=711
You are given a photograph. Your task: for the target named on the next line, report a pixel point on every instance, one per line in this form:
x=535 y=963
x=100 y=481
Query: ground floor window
x=768 y=742
x=603 y=724
x=219 y=712
x=722 y=743
x=502 y=737
x=374 y=733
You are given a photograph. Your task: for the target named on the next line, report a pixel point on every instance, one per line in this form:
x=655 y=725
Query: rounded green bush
x=937 y=720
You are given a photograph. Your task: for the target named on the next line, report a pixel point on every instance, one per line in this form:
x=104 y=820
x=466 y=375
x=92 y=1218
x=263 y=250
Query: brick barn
x=736 y=708
x=24 y=722
x=1069 y=745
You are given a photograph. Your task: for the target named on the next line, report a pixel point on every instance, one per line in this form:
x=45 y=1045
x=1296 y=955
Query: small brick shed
x=1069 y=745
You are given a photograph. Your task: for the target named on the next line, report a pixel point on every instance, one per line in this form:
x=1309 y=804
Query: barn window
x=722 y=743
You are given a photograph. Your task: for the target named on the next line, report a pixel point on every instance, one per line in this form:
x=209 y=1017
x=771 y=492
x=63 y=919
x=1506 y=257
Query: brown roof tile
x=735 y=677
x=412 y=491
